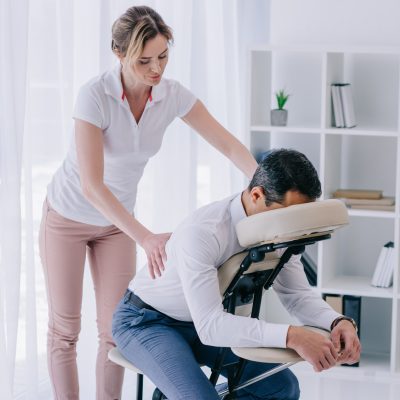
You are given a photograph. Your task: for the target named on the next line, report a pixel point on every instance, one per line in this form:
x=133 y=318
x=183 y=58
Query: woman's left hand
x=154 y=246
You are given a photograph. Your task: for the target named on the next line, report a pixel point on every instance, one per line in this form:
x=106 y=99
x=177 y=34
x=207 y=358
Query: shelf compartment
x=373 y=77
x=350 y=163
x=354 y=250
x=376 y=313
x=300 y=75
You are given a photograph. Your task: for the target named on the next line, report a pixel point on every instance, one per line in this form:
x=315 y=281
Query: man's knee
x=281 y=386
x=290 y=389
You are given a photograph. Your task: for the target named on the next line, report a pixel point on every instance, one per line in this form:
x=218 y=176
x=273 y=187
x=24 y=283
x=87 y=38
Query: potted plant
x=279 y=115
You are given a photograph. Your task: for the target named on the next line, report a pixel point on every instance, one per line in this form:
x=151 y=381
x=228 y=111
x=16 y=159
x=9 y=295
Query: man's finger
x=348 y=348
x=335 y=338
x=334 y=352
x=331 y=356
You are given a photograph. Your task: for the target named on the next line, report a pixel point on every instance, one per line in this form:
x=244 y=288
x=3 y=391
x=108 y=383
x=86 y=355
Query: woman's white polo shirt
x=127 y=145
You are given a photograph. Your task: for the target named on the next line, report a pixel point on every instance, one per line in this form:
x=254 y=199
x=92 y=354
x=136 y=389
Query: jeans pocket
x=125 y=316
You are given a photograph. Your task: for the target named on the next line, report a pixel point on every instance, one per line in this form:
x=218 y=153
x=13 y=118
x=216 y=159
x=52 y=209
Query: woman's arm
x=89 y=147
x=211 y=130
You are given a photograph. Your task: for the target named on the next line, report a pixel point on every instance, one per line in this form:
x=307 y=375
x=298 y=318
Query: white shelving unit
x=364 y=157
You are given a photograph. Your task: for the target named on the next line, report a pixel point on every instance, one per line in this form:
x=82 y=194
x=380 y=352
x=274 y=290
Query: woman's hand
x=154 y=246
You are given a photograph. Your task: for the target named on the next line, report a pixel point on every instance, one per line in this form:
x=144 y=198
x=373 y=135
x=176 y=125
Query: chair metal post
x=258 y=378
x=139 y=387
x=283 y=260
x=219 y=361
x=255 y=310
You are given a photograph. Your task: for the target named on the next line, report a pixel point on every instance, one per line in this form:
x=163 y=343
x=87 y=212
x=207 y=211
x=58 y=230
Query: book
x=387 y=278
x=376 y=278
x=358 y=194
x=338 y=120
x=346 y=98
x=342 y=106
x=384 y=268
x=384 y=201
x=352 y=309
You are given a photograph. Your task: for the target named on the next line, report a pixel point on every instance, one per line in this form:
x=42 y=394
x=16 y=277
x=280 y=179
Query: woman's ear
x=118 y=54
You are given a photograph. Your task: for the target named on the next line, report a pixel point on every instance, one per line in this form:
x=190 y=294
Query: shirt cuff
x=275 y=335
x=326 y=321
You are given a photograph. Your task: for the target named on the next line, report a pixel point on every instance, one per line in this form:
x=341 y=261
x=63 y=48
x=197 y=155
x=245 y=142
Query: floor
x=373 y=382
x=345 y=384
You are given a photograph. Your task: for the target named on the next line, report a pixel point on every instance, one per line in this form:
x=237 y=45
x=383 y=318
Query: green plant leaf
x=281 y=98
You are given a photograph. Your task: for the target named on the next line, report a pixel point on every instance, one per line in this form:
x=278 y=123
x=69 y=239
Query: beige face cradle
x=290 y=228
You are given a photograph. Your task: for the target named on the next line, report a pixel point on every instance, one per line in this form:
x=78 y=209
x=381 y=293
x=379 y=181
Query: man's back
x=212 y=229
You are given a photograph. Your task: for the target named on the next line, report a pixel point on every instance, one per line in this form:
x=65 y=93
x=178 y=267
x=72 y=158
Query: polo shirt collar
x=113 y=86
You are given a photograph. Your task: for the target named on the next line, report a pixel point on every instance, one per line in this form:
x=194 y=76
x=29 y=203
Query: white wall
x=356 y=22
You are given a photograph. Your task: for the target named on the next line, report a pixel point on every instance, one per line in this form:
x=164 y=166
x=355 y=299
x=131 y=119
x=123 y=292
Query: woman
x=120 y=118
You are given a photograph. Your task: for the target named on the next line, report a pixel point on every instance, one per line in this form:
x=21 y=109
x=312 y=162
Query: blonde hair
x=134 y=28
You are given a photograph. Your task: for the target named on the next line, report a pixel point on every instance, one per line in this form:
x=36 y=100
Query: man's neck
x=245 y=197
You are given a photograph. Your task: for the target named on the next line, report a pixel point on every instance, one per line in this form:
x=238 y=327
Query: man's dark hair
x=283 y=170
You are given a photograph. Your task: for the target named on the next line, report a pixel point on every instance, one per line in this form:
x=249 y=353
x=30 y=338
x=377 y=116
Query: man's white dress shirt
x=188 y=289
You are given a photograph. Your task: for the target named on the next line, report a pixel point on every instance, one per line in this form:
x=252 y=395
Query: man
x=169 y=326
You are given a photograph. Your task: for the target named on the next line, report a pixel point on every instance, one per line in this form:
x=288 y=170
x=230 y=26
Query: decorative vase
x=279 y=117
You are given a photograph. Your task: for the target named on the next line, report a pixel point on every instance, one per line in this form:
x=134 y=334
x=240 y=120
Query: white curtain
x=49 y=50
x=13 y=44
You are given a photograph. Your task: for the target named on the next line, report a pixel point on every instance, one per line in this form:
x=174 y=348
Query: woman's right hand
x=154 y=246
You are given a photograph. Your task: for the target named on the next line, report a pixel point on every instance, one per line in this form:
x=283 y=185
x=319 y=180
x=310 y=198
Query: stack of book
x=346 y=305
x=343 y=106
x=365 y=199
x=383 y=274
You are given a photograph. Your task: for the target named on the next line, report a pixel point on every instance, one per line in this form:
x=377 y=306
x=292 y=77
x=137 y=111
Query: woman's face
x=149 y=67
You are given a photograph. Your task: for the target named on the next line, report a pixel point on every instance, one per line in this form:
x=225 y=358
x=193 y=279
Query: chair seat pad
x=291 y=223
x=116 y=357
x=271 y=354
